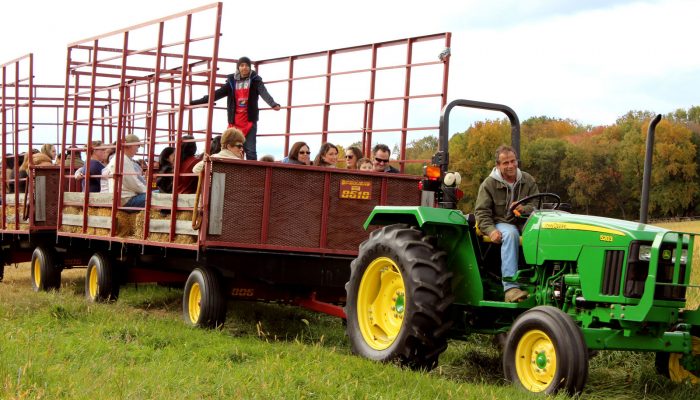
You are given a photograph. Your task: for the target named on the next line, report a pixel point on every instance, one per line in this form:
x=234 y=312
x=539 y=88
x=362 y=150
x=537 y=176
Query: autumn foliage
x=598 y=170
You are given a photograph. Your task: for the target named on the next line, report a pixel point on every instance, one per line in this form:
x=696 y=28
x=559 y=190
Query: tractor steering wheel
x=540 y=197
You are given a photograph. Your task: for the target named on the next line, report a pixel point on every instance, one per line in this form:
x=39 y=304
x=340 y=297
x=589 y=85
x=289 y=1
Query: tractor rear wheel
x=203 y=302
x=545 y=352
x=397 y=298
x=100 y=282
x=45 y=274
x=680 y=367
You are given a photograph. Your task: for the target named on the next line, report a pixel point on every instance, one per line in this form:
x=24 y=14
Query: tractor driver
x=505 y=185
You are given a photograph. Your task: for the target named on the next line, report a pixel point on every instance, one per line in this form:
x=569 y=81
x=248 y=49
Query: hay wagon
x=263 y=231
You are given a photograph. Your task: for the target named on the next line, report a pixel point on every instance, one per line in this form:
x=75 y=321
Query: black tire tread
x=427 y=283
x=213 y=304
x=108 y=285
x=50 y=274
x=572 y=352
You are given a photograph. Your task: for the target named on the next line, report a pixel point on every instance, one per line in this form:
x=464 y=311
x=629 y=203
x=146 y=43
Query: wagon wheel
x=203 y=302
x=100 y=280
x=45 y=274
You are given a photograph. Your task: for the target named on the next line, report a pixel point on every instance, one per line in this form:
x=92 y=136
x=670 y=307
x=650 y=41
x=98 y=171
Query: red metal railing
x=140 y=80
x=25 y=107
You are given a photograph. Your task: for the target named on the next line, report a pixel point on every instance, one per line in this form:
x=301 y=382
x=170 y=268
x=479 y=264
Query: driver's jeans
x=510 y=240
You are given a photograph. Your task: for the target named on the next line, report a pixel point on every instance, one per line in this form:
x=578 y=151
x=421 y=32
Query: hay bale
x=183 y=215
x=10 y=217
x=73 y=210
x=100 y=231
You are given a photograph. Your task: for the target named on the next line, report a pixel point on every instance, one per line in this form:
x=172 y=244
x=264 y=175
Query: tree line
x=598 y=170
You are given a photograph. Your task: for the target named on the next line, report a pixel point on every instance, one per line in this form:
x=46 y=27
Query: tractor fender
x=415 y=216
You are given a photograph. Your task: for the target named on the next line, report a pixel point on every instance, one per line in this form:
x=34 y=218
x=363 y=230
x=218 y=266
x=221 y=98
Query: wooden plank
x=216 y=203
x=40 y=198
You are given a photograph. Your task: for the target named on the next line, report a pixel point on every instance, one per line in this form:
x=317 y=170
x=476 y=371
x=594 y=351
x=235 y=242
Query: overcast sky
x=591 y=61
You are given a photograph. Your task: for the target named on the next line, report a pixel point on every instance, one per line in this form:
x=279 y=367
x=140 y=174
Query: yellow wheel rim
x=92 y=283
x=37 y=272
x=194 y=303
x=381 y=303
x=535 y=361
x=676 y=370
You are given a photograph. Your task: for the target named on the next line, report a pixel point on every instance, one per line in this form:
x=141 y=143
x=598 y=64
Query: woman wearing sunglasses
x=231 y=147
x=352 y=155
x=299 y=154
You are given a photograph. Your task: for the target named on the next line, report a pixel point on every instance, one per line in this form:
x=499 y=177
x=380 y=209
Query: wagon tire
x=101 y=283
x=45 y=274
x=203 y=301
x=398 y=298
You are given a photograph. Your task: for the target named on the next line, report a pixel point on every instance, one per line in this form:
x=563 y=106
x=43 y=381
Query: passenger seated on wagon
x=365 y=164
x=231 y=147
x=133 y=183
x=353 y=154
x=74 y=157
x=165 y=161
x=46 y=156
x=187 y=184
x=23 y=173
x=97 y=164
x=327 y=156
x=299 y=154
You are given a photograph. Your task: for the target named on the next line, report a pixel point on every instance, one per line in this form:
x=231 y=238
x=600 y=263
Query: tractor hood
x=601 y=225
x=554 y=232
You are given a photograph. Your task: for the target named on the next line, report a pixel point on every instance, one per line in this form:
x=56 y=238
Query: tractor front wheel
x=545 y=352
x=397 y=298
x=681 y=367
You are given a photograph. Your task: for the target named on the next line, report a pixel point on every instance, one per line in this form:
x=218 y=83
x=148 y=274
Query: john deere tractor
x=426 y=274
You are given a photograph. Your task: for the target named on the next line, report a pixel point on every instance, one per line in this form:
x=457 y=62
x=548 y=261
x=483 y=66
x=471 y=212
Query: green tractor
x=426 y=275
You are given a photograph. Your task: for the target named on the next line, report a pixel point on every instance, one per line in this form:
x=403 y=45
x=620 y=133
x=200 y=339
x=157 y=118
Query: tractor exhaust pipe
x=646 y=179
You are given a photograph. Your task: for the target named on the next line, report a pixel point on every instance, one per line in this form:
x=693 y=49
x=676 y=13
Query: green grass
x=56 y=345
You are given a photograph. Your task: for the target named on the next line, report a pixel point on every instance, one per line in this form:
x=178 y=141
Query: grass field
x=56 y=345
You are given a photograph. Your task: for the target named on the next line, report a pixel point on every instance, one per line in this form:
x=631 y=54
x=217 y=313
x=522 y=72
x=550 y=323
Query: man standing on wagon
x=242 y=89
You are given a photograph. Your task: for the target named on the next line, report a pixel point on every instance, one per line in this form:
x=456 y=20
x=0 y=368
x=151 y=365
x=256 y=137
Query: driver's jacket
x=495 y=198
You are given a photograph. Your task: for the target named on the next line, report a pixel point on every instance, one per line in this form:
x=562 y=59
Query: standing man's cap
x=243 y=60
x=131 y=138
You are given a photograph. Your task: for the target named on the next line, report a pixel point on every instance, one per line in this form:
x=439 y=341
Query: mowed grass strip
x=56 y=345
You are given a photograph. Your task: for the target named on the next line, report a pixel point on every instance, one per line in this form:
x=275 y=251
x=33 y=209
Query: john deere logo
x=666 y=255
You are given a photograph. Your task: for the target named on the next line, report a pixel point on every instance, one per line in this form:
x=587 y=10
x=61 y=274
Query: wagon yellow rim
x=381 y=303
x=194 y=303
x=92 y=283
x=536 y=361
x=37 y=272
x=676 y=369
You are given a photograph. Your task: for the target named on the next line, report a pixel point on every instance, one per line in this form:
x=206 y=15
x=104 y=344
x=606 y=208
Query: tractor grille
x=614 y=260
x=638 y=271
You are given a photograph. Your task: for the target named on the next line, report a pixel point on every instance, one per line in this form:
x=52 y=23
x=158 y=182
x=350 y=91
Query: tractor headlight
x=644 y=253
x=684 y=256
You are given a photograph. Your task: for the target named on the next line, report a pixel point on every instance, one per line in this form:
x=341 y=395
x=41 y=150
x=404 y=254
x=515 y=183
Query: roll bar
x=442 y=157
